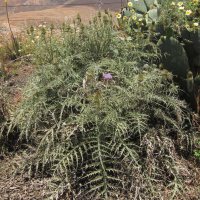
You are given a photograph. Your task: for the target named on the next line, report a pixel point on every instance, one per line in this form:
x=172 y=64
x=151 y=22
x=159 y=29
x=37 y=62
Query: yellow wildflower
x=130 y=4
x=119 y=15
x=180 y=3
x=188 y=12
x=134 y=17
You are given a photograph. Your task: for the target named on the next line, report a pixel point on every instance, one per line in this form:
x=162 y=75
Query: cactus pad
x=149 y=3
x=195 y=36
x=185 y=34
x=140 y=6
x=175 y=60
x=153 y=14
x=197 y=80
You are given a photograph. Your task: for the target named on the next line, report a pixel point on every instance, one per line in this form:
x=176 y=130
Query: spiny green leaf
x=113 y=178
x=93 y=173
x=96 y=188
x=114 y=187
x=93 y=181
x=113 y=170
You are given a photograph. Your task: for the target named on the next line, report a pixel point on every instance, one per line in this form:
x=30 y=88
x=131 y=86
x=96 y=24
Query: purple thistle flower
x=107 y=76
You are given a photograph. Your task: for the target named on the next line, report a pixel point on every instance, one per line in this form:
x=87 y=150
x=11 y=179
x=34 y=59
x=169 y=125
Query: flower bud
x=106 y=11
x=99 y=14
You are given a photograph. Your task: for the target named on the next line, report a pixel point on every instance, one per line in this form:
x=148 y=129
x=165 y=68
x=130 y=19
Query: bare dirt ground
x=63 y=13
x=112 y=5
x=50 y=15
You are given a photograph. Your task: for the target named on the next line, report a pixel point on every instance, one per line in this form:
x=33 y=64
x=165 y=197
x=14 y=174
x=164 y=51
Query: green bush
x=104 y=137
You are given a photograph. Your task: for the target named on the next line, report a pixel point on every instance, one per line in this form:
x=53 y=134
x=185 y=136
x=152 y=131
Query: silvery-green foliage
x=103 y=137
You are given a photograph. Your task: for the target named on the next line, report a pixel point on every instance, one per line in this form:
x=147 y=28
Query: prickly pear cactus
x=169 y=32
x=159 y=28
x=138 y=9
x=153 y=14
x=197 y=80
x=185 y=34
x=149 y=3
x=163 y=2
x=126 y=12
x=195 y=37
x=141 y=6
x=175 y=60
